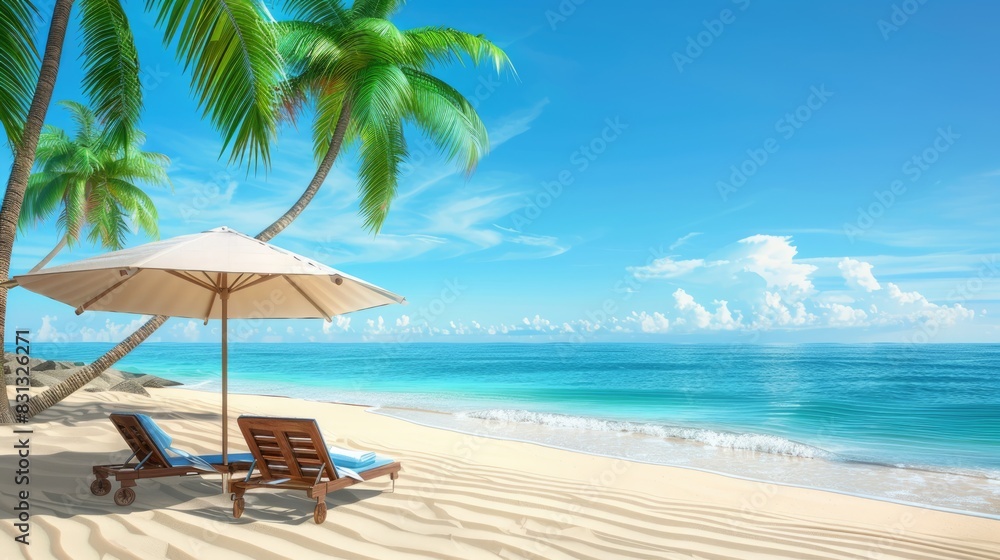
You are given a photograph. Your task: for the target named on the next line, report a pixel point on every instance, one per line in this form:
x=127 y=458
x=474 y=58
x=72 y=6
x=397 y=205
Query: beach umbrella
x=216 y=274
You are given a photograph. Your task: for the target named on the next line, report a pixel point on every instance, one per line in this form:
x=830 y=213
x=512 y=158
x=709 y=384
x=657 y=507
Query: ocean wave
x=761 y=443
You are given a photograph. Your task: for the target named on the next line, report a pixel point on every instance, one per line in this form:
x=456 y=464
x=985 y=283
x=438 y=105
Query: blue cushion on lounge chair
x=211 y=459
x=160 y=438
x=184 y=459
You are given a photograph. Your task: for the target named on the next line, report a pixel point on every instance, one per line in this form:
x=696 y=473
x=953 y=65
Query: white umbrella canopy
x=216 y=274
x=187 y=276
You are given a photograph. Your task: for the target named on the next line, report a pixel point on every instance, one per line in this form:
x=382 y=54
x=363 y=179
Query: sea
x=914 y=424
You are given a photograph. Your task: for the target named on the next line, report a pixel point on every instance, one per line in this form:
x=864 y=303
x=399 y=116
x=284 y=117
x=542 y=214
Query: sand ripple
x=459 y=497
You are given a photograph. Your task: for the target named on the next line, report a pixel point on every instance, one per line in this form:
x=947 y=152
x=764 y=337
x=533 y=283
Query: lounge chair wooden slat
x=291 y=455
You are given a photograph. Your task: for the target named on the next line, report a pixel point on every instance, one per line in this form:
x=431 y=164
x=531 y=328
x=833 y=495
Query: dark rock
x=47 y=365
x=129 y=386
x=155 y=382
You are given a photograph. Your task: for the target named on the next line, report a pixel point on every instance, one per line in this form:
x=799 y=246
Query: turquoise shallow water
x=918 y=424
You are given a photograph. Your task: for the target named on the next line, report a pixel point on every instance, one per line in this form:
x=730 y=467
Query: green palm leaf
x=383 y=150
x=426 y=45
x=111 y=68
x=231 y=50
x=448 y=119
x=330 y=11
x=376 y=8
x=18 y=65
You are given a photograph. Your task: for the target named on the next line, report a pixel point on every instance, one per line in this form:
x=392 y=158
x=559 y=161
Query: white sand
x=458 y=496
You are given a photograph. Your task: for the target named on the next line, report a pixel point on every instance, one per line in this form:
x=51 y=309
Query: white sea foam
x=761 y=443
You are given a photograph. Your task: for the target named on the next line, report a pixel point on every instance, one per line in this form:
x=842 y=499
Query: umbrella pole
x=224 y=295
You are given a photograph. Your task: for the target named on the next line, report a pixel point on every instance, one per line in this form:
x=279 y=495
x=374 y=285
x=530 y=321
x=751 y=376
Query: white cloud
x=776 y=312
x=845 y=316
x=683 y=239
x=516 y=124
x=905 y=297
x=189 y=331
x=340 y=323
x=112 y=331
x=772 y=258
x=666 y=267
x=723 y=316
x=48 y=332
x=858 y=274
x=652 y=323
x=685 y=303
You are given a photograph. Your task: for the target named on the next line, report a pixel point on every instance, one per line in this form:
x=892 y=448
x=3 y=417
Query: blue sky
x=685 y=171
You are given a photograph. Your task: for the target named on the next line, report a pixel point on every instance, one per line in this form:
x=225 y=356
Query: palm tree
x=227 y=44
x=366 y=79
x=93 y=183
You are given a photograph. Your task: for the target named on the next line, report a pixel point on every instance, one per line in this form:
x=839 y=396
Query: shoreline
x=459 y=496
x=972 y=483
x=982 y=515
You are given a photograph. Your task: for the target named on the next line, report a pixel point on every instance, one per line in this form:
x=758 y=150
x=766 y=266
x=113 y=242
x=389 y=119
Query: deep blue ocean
x=917 y=424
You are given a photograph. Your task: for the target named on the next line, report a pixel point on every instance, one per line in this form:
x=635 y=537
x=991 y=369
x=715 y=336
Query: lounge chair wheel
x=238 y=505
x=100 y=487
x=319 y=515
x=124 y=496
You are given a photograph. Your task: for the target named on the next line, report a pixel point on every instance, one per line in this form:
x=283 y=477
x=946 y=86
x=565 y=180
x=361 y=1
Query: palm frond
x=53 y=143
x=18 y=65
x=448 y=119
x=85 y=119
x=302 y=43
x=230 y=47
x=383 y=149
x=41 y=198
x=380 y=96
x=107 y=221
x=376 y=8
x=329 y=11
x=425 y=46
x=73 y=216
x=139 y=206
x=328 y=110
x=111 y=68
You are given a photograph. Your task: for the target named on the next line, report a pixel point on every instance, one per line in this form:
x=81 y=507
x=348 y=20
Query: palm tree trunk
x=317 y=181
x=87 y=374
x=24 y=159
x=48 y=258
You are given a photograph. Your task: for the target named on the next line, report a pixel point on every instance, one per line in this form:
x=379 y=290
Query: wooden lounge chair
x=291 y=455
x=153 y=459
